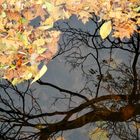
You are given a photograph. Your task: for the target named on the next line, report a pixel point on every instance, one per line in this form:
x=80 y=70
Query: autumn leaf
x=13 y=15
x=40 y=74
x=16 y=81
x=28 y=14
x=40 y=50
x=137 y=9
x=105 y=29
x=23 y=39
x=39 y=42
x=3 y=14
x=49 y=6
x=47 y=24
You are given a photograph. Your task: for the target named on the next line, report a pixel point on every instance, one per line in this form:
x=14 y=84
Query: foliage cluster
x=23 y=47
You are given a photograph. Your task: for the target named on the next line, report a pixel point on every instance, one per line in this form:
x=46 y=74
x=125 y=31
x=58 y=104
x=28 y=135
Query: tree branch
x=102 y=114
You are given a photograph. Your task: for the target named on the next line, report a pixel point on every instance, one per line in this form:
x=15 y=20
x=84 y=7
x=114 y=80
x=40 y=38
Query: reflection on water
x=91 y=82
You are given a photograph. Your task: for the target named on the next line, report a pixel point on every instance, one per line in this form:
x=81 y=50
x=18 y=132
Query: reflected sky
x=59 y=73
x=62 y=75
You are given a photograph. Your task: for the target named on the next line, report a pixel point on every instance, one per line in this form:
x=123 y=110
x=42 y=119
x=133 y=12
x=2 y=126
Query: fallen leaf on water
x=105 y=29
x=40 y=73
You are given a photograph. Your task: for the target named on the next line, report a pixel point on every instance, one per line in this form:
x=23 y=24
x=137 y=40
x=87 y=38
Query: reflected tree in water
x=110 y=92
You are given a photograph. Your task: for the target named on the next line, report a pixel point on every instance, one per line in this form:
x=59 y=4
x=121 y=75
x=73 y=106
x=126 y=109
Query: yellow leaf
x=40 y=50
x=43 y=28
x=39 y=42
x=49 y=6
x=16 y=81
x=66 y=14
x=24 y=39
x=40 y=73
x=105 y=29
x=137 y=9
x=48 y=23
x=27 y=76
x=30 y=72
x=3 y=14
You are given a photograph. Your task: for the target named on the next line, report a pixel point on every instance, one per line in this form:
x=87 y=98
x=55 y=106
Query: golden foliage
x=23 y=47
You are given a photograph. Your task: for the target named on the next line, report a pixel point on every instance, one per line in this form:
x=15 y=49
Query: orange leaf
x=13 y=15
